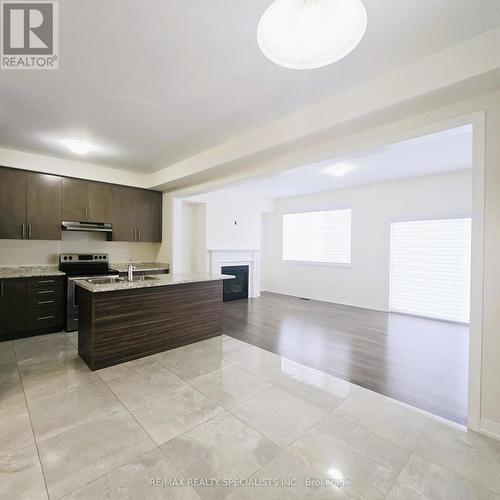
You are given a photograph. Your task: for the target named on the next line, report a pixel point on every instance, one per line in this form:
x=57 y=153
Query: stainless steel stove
x=81 y=266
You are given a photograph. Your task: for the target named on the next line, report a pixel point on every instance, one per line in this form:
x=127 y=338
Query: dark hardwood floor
x=419 y=361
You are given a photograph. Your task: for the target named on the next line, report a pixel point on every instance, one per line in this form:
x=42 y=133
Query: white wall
x=193 y=237
x=33 y=252
x=366 y=282
x=188 y=236
x=214 y=219
x=233 y=219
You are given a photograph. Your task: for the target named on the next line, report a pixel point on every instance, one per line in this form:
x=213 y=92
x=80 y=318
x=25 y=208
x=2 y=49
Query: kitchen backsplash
x=21 y=252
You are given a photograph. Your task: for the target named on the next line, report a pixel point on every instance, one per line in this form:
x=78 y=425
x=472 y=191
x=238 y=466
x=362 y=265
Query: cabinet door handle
x=47 y=291
x=1 y=289
x=139 y=231
x=135 y=237
x=45 y=302
x=24 y=231
x=45 y=317
x=29 y=231
x=86 y=213
x=46 y=281
x=90 y=210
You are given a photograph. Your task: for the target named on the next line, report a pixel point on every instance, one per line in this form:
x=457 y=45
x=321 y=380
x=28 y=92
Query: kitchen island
x=123 y=320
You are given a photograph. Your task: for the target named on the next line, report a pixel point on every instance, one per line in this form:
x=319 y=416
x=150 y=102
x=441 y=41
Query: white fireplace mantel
x=250 y=258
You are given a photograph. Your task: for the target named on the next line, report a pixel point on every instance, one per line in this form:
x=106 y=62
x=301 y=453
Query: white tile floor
x=219 y=419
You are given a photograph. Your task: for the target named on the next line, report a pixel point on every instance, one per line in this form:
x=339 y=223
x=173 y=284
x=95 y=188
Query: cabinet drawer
x=45 y=318
x=44 y=297
x=45 y=282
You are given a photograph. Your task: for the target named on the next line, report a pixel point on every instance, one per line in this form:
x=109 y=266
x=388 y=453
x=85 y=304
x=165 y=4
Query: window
x=430 y=268
x=318 y=237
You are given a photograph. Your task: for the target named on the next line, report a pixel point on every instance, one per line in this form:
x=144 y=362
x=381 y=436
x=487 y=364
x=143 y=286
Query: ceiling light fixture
x=306 y=34
x=340 y=169
x=78 y=147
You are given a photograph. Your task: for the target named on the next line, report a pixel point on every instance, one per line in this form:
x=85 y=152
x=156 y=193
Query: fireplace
x=236 y=288
x=220 y=258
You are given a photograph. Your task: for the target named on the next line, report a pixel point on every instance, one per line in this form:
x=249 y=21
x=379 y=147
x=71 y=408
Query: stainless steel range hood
x=100 y=227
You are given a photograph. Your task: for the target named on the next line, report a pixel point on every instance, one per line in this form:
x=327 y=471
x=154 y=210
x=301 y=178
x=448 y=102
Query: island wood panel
x=128 y=324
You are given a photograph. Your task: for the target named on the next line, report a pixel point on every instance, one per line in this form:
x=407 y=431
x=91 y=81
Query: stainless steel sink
x=144 y=278
x=105 y=281
x=110 y=281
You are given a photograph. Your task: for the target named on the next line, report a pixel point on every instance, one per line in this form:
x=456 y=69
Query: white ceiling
x=433 y=154
x=151 y=83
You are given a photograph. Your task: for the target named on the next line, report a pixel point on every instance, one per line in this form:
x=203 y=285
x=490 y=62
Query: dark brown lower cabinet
x=31 y=306
x=12 y=307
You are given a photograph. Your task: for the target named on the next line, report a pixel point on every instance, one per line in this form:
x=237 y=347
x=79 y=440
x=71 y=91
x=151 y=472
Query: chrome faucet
x=130 y=271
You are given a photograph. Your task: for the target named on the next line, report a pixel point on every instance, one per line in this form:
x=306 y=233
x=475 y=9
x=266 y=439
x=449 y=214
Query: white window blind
x=318 y=237
x=430 y=268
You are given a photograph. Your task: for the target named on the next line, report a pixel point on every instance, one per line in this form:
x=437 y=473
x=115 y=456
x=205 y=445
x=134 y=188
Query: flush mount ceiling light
x=78 y=147
x=340 y=169
x=306 y=34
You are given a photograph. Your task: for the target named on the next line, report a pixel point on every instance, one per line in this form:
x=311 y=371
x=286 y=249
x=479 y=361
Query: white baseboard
x=490 y=428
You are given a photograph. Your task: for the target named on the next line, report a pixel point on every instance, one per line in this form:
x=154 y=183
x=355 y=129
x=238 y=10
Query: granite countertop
x=141 y=266
x=159 y=280
x=7 y=272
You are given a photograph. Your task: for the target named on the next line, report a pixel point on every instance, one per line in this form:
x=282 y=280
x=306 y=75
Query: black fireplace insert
x=236 y=288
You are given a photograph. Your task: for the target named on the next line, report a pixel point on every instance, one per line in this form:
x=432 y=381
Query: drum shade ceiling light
x=306 y=34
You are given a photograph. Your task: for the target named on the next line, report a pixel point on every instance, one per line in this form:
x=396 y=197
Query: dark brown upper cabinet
x=101 y=202
x=136 y=215
x=43 y=207
x=87 y=201
x=149 y=216
x=30 y=205
x=125 y=213
x=12 y=204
